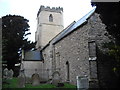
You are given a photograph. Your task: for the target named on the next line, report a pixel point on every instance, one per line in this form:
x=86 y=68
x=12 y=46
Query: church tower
x=49 y=24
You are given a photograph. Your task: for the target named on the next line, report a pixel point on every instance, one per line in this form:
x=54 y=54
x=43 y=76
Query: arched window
x=51 y=18
x=67 y=71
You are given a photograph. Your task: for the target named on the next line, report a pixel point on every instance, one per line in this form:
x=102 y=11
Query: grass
x=10 y=83
x=69 y=86
x=13 y=83
x=40 y=86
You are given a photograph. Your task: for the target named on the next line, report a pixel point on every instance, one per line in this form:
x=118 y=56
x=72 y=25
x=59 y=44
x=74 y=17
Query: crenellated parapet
x=47 y=8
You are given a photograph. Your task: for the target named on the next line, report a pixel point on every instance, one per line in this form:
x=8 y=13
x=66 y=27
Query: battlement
x=47 y=8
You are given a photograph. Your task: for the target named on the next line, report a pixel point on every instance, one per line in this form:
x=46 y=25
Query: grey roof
x=73 y=26
x=63 y=33
x=33 y=55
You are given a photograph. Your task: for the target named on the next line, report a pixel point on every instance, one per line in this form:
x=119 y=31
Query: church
x=63 y=54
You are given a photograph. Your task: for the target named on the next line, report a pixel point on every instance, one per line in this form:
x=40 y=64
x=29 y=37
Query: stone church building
x=68 y=53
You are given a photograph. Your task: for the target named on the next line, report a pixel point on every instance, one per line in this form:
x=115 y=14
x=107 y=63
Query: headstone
x=21 y=79
x=5 y=73
x=10 y=74
x=82 y=83
x=35 y=79
x=56 y=78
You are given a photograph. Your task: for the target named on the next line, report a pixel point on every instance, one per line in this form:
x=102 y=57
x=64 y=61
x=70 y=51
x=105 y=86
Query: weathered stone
x=46 y=27
x=10 y=74
x=75 y=49
x=5 y=73
x=35 y=79
x=30 y=67
x=21 y=79
x=56 y=78
x=82 y=83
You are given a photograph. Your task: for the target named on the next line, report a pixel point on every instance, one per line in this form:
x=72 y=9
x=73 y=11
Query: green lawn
x=13 y=83
x=40 y=86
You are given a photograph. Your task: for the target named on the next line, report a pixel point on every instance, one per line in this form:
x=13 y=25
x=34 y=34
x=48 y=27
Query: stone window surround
x=50 y=18
x=92 y=57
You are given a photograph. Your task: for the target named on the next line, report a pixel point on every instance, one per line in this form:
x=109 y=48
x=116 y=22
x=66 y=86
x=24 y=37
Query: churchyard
x=20 y=82
x=13 y=83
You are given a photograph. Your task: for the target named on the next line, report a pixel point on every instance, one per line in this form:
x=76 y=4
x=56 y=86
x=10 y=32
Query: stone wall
x=106 y=76
x=73 y=49
x=47 y=65
x=31 y=67
x=71 y=55
x=97 y=31
x=53 y=9
x=46 y=29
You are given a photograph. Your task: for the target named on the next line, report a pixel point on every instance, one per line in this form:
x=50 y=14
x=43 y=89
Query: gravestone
x=10 y=74
x=56 y=78
x=5 y=73
x=35 y=79
x=82 y=83
x=21 y=79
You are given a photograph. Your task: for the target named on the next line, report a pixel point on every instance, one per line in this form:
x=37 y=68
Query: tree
x=14 y=31
x=110 y=15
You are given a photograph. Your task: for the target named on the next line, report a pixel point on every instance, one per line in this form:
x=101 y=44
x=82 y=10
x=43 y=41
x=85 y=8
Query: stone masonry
x=49 y=24
x=71 y=56
x=75 y=54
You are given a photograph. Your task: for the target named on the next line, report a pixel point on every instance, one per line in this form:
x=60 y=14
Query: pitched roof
x=63 y=33
x=73 y=26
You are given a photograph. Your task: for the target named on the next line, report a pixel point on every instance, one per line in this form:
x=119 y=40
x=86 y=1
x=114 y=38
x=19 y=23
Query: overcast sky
x=73 y=10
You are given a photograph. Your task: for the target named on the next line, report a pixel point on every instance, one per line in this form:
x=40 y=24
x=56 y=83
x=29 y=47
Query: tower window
x=50 y=18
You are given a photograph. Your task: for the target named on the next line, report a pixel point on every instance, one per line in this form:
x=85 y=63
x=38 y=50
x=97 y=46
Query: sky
x=73 y=10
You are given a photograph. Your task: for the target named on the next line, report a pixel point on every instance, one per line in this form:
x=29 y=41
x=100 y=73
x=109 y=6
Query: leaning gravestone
x=56 y=78
x=21 y=79
x=35 y=79
x=82 y=83
x=5 y=73
x=10 y=74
